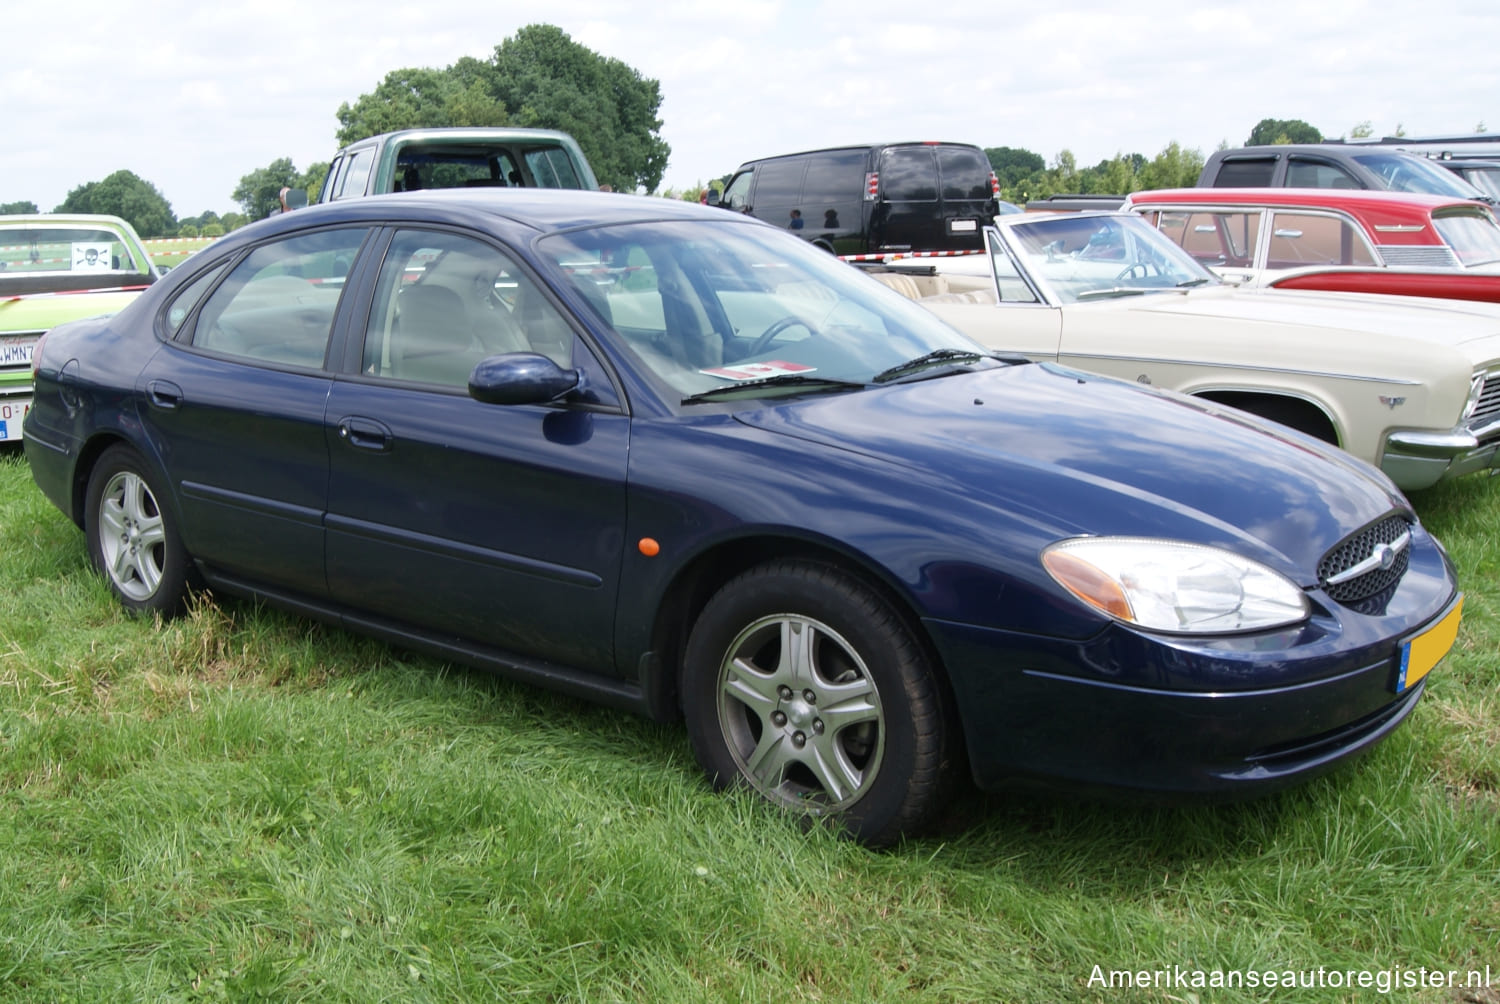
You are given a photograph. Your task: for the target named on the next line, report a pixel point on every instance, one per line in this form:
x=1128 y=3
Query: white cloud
x=194 y=96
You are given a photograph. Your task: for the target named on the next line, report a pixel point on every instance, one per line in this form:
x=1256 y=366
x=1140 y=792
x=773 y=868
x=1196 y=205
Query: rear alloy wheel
x=805 y=685
x=131 y=539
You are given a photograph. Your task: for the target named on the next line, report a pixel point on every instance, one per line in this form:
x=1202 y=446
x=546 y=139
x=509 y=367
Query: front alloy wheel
x=808 y=687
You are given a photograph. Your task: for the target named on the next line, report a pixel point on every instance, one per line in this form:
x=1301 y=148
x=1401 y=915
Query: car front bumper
x=1033 y=719
x=1416 y=460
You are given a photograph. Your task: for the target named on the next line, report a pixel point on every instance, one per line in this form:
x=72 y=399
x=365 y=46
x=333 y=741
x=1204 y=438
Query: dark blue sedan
x=678 y=461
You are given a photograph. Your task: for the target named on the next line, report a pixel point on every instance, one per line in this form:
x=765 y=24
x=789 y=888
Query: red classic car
x=1352 y=240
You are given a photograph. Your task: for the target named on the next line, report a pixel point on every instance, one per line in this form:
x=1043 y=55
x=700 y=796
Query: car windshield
x=1410 y=173
x=33 y=248
x=1081 y=257
x=710 y=305
x=1473 y=236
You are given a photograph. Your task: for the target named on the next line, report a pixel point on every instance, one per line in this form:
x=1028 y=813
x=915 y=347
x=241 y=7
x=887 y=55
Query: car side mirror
x=296 y=198
x=521 y=378
x=713 y=197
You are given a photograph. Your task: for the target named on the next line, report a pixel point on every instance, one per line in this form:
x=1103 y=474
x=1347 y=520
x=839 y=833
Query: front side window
x=1213 y=238
x=357 y=167
x=1079 y=258
x=1404 y=172
x=1302 y=173
x=277 y=305
x=445 y=301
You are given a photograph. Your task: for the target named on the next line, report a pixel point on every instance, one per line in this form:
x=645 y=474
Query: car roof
x=542 y=210
x=1355 y=200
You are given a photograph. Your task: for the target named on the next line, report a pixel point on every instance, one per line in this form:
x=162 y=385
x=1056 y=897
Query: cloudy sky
x=191 y=96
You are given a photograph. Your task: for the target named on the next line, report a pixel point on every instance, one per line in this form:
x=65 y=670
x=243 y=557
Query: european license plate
x=1427 y=649
x=11 y=413
x=963 y=226
x=15 y=353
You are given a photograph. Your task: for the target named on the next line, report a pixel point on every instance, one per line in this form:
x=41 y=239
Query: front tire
x=806 y=686
x=131 y=539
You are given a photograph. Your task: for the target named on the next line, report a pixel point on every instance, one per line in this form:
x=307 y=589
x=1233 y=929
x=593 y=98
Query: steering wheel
x=1138 y=270
x=767 y=336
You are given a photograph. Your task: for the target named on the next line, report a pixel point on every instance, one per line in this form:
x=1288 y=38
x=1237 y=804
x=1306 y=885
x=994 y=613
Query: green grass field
x=241 y=805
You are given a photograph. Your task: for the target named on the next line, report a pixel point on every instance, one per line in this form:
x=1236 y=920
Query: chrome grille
x=1488 y=408
x=1428 y=254
x=1382 y=548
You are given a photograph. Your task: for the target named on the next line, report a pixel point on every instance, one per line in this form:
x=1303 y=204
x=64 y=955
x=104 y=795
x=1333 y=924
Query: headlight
x=1168 y=585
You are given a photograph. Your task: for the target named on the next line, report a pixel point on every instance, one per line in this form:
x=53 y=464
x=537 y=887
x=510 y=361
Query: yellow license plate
x=1427 y=649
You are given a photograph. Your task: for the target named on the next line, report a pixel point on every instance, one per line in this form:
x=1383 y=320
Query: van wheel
x=806 y=687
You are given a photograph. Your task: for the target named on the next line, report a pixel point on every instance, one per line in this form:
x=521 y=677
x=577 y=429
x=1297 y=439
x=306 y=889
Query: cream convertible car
x=1411 y=385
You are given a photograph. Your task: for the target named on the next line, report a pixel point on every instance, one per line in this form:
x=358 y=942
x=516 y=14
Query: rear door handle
x=164 y=394
x=365 y=434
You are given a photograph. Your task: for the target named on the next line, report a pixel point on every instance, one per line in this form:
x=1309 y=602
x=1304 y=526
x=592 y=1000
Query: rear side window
x=909 y=174
x=965 y=173
x=1299 y=238
x=1251 y=172
x=839 y=175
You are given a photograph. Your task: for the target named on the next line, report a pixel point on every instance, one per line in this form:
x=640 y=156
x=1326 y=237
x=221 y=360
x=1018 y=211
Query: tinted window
x=551 y=167
x=780 y=180
x=835 y=176
x=908 y=174
x=1303 y=173
x=184 y=302
x=1254 y=172
x=277 y=305
x=1404 y=172
x=356 y=173
x=965 y=173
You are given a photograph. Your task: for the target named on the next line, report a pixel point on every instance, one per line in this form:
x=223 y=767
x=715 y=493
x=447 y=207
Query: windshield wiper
x=937 y=357
x=1099 y=294
x=1184 y=284
x=779 y=380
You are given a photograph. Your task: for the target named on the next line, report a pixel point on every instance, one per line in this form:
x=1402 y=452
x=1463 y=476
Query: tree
x=22 y=208
x=1363 y=130
x=1174 y=167
x=1013 y=165
x=419 y=98
x=549 y=81
x=539 y=78
x=124 y=195
x=1269 y=131
x=259 y=192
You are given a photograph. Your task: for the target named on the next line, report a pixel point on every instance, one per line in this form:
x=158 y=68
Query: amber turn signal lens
x=649 y=547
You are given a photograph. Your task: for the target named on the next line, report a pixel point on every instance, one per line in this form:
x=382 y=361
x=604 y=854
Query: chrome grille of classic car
x=1431 y=256
x=1487 y=410
x=1366 y=564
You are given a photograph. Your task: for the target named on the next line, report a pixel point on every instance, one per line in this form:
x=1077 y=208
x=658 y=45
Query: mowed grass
x=242 y=805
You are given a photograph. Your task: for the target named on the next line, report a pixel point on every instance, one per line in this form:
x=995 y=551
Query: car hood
x=1061 y=453
x=1458 y=323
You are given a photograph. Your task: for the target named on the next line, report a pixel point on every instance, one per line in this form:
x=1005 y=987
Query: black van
x=874 y=198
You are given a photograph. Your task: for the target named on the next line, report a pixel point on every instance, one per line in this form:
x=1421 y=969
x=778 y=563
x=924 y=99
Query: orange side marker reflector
x=649 y=547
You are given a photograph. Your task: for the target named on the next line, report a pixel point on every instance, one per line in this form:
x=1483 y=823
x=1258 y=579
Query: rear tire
x=132 y=540
x=806 y=686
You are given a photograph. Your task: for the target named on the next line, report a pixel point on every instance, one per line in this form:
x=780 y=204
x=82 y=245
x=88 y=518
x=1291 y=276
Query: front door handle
x=365 y=434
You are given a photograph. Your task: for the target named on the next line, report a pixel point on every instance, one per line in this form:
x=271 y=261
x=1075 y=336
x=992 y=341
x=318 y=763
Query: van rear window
x=965 y=173
x=909 y=174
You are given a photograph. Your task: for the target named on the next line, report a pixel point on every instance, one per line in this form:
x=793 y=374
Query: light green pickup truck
x=498 y=157
x=56 y=268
